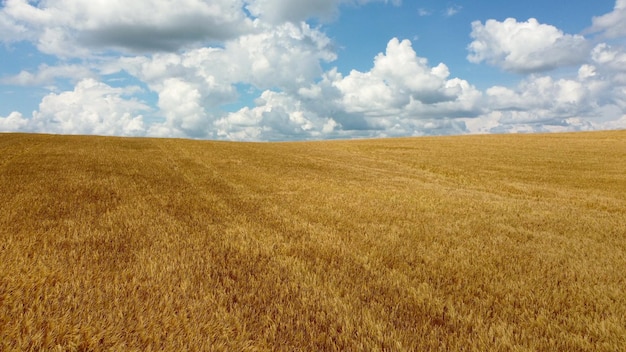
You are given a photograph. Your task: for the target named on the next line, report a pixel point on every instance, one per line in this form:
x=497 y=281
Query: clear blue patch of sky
x=20 y=99
x=22 y=56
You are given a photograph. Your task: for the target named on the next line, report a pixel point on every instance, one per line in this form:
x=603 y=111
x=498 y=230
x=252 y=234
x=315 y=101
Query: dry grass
x=511 y=243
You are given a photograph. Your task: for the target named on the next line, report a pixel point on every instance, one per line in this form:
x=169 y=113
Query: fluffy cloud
x=191 y=86
x=593 y=99
x=400 y=95
x=78 y=28
x=612 y=24
x=539 y=93
x=285 y=56
x=181 y=103
x=403 y=84
x=525 y=47
x=71 y=27
x=277 y=116
x=609 y=58
x=15 y=122
x=12 y=31
x=91 y=108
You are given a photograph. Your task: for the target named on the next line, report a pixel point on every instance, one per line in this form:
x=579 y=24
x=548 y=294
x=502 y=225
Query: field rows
x=501 y=242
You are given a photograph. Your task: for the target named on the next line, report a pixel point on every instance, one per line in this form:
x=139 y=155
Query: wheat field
x=473 y=243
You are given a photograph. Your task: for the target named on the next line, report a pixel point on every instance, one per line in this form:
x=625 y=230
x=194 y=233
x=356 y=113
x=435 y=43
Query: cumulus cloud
x=590 y=100
x=181 y=103
x=10 y=29
x=15 y=122
x=285 y=56
x=400 y=95
x=525 y=47
x=191 y=86
x=308 y=113
x=539 y=93
x=612 y=24
x=609 y=58
x=70 y=27
x=277 y=116
x=610 y=63
x=401 y=83
x=91 y=108
x=78 y=28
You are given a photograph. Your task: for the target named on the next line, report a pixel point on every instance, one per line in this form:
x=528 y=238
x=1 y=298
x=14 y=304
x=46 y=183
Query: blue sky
x=301 y=69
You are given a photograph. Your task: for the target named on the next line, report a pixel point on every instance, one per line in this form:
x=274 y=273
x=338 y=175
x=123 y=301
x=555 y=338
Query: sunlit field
x=498 y=242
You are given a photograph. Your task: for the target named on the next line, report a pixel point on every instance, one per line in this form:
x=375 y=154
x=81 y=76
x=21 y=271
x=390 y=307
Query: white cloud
x=609 y=58
x=12 y=31
x=401 y=83
x=70 y=27
x=400 y=95
x=525 y=47
x=594 y=98
x=539 y=93
x=91 y=108
x=15 y=122
x=612 y=24
x=192 y=85
x=181 y=103
x=586 y=71
x=277 y=116
x=82 y=28
x=610 y=63
x=285 y=56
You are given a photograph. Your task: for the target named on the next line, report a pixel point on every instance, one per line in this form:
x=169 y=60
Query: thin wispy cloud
x=452 y=10
x=424 y=12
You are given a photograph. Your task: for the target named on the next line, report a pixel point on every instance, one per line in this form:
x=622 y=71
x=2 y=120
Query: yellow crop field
x=475 y=243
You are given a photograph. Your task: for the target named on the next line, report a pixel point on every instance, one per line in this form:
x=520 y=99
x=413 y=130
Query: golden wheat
x=500 y=242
